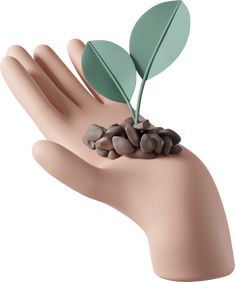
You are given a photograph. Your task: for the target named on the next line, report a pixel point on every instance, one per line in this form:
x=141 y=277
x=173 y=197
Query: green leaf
x=109 y=70
x=158 y=37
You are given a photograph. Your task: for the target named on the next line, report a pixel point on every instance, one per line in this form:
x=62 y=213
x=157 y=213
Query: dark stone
x=155 y=129
x=127 y=121
x=172 y=134
x=147 y=144
x=115 y=130
x=104 y=143
x=159 y=142
x=167 y=145
x=145 y=124
x=133 y=135
x=102 y=153
x=94 y=132
x=122 y=146
x=112 y=155
x=112 y=125
x=89 y=144
x=176 y=149
x=141 y=131
x=139 y=154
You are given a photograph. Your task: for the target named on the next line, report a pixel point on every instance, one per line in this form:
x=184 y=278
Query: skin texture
x=173 y=199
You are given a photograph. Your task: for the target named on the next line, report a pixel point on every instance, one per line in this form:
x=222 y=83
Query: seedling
x=156 y=41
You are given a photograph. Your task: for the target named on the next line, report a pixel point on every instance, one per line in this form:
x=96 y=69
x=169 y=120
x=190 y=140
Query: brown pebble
x=127 y=121
x=122 y=146
x=89 y=144
x=167 y=145
x=132 y=135
x=159 y=142
x=94 y=132
x=176 y=149
x=101 y=152
x=139 y=154
x=112 y=155
x=147 y=144
x=123 y=134
x=104 y=143
x=145 y=124
x=155 y=129
x=115 y=130
x=171 y=133
x=112 y=125
x=142 y=131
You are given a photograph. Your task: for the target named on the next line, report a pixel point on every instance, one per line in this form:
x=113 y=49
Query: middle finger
x=62 y=76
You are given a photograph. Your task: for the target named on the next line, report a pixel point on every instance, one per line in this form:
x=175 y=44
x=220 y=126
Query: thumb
x=68 y=168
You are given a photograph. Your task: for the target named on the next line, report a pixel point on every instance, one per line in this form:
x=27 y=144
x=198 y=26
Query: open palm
x=154 y=193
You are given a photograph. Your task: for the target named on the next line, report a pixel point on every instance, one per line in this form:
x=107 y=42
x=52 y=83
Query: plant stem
x=130 y=109
x=140 y=97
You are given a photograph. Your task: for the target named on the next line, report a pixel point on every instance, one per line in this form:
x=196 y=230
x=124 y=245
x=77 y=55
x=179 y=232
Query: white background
x=49 y=232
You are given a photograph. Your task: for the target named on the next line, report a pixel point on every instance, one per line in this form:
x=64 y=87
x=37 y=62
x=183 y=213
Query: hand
x=173 y=199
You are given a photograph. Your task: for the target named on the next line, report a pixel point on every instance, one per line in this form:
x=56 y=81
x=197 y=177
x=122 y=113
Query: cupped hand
x=173 y=199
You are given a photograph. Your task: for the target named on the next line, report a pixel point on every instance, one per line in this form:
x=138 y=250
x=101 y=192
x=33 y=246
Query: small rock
x=145 y=124
x=139 y=154
x=171 y=133
x=123 y=134
x=127 y=121
x=132 y=135
x=94 y=132
x=167 y=145
x=122 y=146
x=142 y=131
x=176 y=149
x=112 y=155
x=112 y=125
x=104 y=143
x=159 y=142
x=155 y=129
x=102 y=153
x=115 y=130
x=147 y=144
x=89 y=144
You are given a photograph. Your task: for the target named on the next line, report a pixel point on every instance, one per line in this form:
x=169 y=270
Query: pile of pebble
x=132 y=140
